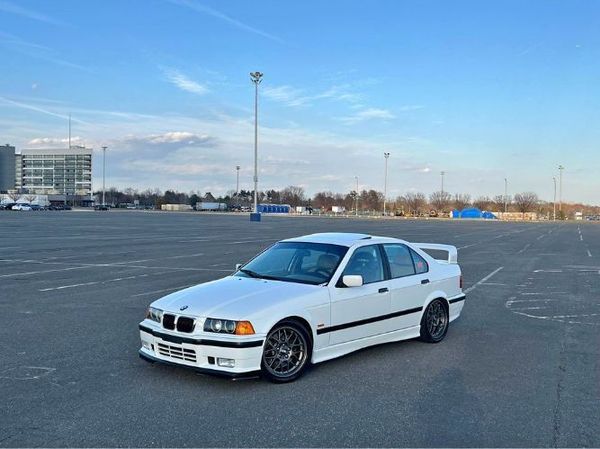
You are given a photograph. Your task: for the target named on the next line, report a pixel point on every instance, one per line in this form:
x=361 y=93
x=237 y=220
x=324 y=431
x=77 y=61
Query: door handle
x=384 y=290
x=425 y=281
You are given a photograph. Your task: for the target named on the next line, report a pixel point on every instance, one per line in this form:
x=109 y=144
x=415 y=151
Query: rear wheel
x=286 y=353
x=434 y=323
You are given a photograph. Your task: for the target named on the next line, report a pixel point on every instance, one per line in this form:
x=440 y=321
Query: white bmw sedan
x=306 y=300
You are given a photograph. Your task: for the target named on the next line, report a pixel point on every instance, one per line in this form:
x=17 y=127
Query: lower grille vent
x=177 y=352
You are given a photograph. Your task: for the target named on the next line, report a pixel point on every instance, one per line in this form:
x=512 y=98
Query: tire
x=286 y=353
x=434 y=323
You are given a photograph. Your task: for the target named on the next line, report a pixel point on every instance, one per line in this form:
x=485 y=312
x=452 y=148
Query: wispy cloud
x=12 y=8
x=47 y=142
x=11 y=39
x=39 y=109
x=368 y=114
x=286 y=94
x=292 y=96
x=198 y=7
x=183 y=82
x=411 y=107
x=35 y=50
x=178 y=138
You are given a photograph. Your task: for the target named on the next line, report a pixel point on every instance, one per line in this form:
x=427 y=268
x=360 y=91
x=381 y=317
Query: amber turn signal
x=244 y=328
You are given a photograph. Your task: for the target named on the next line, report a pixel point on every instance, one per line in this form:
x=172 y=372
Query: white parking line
x=589 y=253
x=249 y=241
x=163 y=290
x=581 y=237
x=522 y=250
x=29 y=273
x=472 y=287
x=541 y=237
x=127 y=264
x=62 y=287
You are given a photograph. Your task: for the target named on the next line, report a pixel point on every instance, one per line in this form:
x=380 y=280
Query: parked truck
x=210 y=206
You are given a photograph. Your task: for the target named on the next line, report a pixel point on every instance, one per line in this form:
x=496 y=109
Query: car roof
x=341 y=238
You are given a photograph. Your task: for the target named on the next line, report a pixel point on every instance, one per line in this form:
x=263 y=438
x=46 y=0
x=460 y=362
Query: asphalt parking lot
x=519 y=368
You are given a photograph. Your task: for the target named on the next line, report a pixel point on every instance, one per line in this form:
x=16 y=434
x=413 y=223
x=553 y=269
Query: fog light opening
x=146 y=344
x=226 y=363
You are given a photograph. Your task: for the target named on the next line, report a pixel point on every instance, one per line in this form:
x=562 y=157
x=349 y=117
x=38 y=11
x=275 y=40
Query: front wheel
x=286 y=352
x=434 y=324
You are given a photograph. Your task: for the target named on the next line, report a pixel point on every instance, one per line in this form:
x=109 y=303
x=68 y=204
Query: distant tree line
x=368 y=201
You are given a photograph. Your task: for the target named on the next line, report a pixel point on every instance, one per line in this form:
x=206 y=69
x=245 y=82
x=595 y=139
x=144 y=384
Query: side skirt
x=331 y=352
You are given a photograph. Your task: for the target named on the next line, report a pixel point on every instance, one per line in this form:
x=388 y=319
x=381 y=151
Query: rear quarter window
x=421 y=265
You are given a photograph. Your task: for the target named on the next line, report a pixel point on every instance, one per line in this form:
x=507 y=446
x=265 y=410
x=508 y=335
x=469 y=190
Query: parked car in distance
x=306 y=300
x=21 y=206
x=59 y=206
x=7 y=206
x=36 y=207
x=101 y=207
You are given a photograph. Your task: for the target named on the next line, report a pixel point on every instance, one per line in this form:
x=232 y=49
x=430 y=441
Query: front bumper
x=201 y=354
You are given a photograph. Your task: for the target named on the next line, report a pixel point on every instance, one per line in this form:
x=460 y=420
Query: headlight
x=228 y=326
x=154 y=314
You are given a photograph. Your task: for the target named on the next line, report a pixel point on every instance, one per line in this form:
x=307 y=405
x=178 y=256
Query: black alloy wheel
x=434 y=324
x=286 y=352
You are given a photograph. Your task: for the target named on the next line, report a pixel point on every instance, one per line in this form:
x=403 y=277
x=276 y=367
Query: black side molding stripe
x=374 y=319
x=460 y=298
x=196 y=341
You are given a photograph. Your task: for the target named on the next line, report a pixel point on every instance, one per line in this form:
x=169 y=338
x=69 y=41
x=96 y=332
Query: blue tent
x=472 y=212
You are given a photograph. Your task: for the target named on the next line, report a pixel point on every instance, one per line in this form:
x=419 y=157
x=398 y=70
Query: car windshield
x=307 y=263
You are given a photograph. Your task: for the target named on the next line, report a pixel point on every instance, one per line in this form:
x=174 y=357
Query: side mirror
x=238 y=266
x=352 y=280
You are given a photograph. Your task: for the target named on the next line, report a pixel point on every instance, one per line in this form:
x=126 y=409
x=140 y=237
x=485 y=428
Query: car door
x=356 y=311
x=408 y=285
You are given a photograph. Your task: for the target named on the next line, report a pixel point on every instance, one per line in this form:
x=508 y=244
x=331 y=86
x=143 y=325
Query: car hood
x=233 y=297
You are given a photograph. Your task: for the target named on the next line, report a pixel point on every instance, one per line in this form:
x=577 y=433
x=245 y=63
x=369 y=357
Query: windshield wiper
x=252 y=274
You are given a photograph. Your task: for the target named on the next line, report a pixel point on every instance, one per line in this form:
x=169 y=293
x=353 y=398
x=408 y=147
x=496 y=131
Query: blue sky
x=481 y=90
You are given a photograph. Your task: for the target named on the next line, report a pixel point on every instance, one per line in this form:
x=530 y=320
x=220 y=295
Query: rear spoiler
x=451 y=250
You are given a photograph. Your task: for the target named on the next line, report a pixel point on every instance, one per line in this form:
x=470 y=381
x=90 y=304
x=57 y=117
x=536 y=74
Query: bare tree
x=401 y=205
x=498 y=202
x=30 y=198
x=349 y=200
x=273 y=196
x=462 y=200
x=526 y=202
x=371 y=199
x=293 y=195
x=415 y=201
x=324 y=200
x=14 y=196
x=482 y=203
x=440 y=200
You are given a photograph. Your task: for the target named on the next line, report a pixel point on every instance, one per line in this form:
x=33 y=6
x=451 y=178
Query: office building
x=55 y=171
x=7 y=168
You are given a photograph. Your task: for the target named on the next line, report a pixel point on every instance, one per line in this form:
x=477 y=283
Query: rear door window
x=400 y=260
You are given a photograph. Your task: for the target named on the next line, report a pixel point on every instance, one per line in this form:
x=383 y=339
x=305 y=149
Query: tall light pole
x=256 y=78
x=442 y=173
x=505 y=195
x=554 y=202
x=65 y=164
x=560 y=171
x=237 y=182
x=356 y=196
x=103 y=176
x=386 y=156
